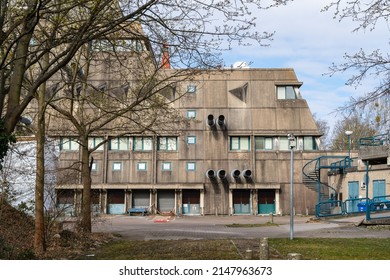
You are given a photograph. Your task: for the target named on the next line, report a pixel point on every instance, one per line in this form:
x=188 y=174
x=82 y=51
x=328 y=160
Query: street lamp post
x=348 y=133
x=292 y=145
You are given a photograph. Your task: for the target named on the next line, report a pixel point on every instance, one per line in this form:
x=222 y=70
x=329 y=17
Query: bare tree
x=126 y=101
x=357 y=122
x=367 y=16
x=31 y=29
x=323 y=128
x=57 y=30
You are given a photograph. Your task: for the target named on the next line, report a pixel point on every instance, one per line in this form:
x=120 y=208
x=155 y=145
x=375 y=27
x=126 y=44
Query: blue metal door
x=191 y=202
x=353 y=196
x=266 y=201
x=379 y=188
x=116 y=201
x=241 y=202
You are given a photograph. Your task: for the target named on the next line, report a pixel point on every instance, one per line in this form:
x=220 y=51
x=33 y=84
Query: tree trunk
x=85 y=224
x=39 y=238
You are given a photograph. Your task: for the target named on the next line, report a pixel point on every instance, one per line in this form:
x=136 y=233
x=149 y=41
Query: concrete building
x=233 y=158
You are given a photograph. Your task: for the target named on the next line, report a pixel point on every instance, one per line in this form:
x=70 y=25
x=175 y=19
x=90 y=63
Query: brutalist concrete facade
x=232 y=159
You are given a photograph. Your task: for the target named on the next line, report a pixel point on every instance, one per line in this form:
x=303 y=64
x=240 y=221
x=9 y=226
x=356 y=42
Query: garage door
x=191 y=202
x=116 y=201
x=241 y=201
x=266 y=200
x=166 y=201
x=141 y=199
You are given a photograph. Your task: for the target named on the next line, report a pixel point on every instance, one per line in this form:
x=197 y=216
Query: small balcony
x=375 y=149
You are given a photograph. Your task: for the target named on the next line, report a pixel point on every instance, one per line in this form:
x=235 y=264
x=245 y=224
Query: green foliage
x=334 y=248
x=309 y=248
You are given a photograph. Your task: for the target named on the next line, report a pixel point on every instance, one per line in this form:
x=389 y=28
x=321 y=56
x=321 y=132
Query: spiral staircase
x=327 y=204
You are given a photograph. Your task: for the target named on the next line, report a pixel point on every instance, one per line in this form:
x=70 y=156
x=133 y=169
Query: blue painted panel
x=353 y=193
x=116 y=209
x=266 y=208
x=241 y=208
x=379 y=188
x=191 y=209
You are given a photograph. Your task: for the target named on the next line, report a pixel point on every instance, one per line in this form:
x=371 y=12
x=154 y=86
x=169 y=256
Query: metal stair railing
x=311 y=171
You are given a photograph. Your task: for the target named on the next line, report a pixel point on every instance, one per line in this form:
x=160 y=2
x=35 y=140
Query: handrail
x=376 y=140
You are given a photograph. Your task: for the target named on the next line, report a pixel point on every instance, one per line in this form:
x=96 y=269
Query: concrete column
x=294 y=256
x=248 y=254
x=104 y=201
x=231 y=212
x=201 y=202
x=277 y=202
x=264 y=249
x=128 y=199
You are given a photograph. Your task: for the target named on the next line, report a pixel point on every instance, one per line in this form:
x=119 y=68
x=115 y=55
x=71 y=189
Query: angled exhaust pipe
x=247 y=173
x=236 y=174
x=210 y=120
x=221 y=121
x=210 y=174
x=221 y=174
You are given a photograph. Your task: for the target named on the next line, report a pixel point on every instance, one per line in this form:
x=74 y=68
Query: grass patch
x=334 y=248
x=168 y=250
x=309 y=248
x=268 y=224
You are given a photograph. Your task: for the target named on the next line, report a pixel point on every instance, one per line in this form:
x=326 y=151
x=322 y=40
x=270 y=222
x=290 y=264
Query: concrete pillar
x=201 y=202
x=128 y=199
x=294 y=256
x=231 y=212
x=248 y=254
x=264 y=249
x=277 y=202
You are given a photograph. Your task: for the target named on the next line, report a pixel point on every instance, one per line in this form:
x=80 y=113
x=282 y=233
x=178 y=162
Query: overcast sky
x=309 y=41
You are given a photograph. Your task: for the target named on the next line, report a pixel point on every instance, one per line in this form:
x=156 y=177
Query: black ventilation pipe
x=210 y=174
x=236 y=173
x=221 y=120
x=221 y=174
x=247 y=174
x=210 y=120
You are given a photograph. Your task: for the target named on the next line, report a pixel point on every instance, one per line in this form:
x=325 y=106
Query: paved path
x=216 y=227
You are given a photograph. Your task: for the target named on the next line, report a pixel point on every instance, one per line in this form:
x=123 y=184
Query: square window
x=69 y=144
x=119 y=144
x=116 y=166
x=166 y=166
x=191 y=166
x=287 y=92
x=141 y=166
x=264 y=143
x=191 y=139
x=283 y=144
x=191 y=114
x=167 y=143
x=143 y=143
x=93 y=142
x=191 y=88
x=94 y=167
x=309 y=143
x=239 y=143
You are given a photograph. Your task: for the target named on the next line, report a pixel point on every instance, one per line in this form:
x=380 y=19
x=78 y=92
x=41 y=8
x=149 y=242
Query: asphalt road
x=217 y=227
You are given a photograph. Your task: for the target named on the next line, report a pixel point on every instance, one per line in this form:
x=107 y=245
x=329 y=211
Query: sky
x=309 y=41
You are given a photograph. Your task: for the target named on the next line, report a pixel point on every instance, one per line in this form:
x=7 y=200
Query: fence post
x=264 y=249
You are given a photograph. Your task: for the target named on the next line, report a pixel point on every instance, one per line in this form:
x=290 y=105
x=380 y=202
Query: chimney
x=165 y=64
